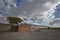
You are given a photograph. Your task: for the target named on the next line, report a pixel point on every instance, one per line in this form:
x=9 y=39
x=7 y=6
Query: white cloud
x=55 y=23
x=41 y=10
x=48 y=15
x=48 y=4
x=1 y=15
x=11 y=3
x=30 y=0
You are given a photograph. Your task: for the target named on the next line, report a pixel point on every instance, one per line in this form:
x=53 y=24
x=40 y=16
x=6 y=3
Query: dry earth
x=42 y=35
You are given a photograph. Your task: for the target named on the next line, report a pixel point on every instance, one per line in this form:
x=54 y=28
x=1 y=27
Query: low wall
x=24 y=29
x=4 y=27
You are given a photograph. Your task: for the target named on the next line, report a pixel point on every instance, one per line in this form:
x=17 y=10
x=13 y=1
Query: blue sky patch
x=57 y=12
x=18 y=2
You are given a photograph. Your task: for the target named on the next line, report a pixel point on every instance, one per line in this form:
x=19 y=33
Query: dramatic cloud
x=36 y=11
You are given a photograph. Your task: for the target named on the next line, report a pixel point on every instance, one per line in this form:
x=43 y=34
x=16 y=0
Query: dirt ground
x=42 y=35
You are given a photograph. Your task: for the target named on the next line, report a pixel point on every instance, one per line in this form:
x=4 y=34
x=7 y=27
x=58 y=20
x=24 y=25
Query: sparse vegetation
x=49 y=28
x=14 y=22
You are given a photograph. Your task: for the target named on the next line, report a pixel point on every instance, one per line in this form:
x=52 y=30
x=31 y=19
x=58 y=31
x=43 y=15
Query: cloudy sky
x=32 y=11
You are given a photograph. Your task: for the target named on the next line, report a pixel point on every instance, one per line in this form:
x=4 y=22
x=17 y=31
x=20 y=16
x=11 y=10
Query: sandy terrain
x=42 y=35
